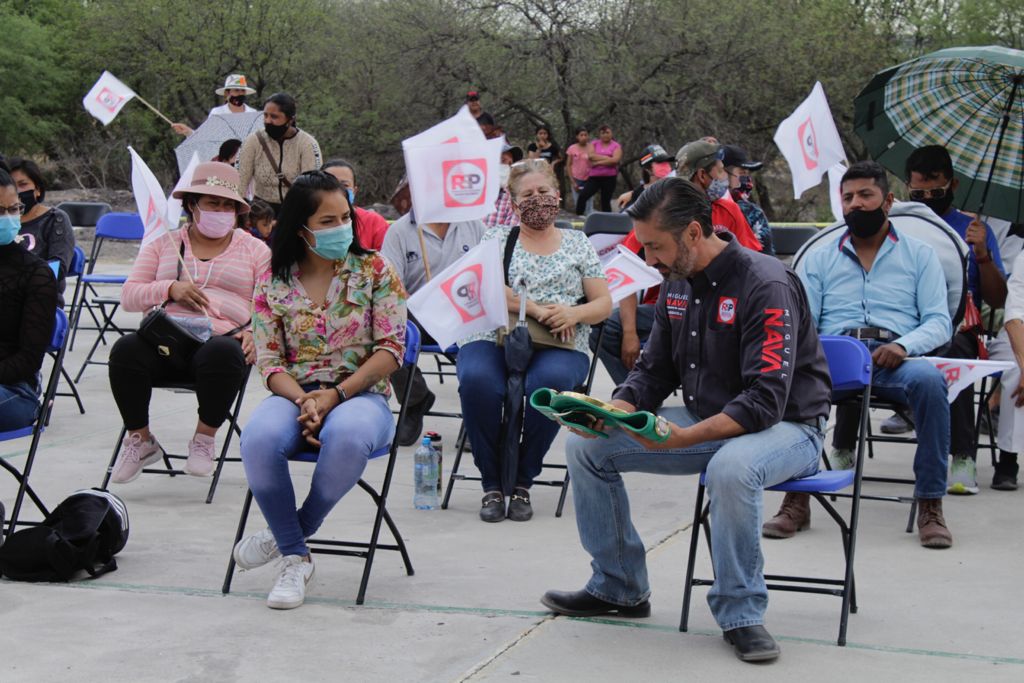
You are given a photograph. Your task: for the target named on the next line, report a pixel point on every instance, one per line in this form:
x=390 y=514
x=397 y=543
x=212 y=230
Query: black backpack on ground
x=83 y=533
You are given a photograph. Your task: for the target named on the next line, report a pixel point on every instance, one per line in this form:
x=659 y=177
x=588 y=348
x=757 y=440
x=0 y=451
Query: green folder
x=580 y=412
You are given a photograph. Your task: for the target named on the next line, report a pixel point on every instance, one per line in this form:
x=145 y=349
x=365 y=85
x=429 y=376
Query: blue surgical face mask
x=351 y=196
x=718 y=188
x=10 y=226
x=332 y=243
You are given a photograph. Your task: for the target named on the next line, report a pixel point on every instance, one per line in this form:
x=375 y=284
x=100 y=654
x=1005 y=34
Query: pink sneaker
x=200 y=462
x=135 y=455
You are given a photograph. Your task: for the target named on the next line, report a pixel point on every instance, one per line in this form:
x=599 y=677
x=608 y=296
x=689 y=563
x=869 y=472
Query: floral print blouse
x=365 y=312
x=552 y=278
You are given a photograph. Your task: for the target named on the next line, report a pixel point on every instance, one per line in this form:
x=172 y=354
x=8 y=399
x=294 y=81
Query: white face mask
x=503 y=173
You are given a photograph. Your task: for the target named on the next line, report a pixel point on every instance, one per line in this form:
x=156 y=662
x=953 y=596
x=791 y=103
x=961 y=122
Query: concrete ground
x=471 y=612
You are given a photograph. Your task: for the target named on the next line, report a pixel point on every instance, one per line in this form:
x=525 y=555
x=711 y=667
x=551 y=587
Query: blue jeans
x=482 y=383
x=918 y=384
x=19 y=405
x=350 y=433
x=738 y=470
x=610 y=352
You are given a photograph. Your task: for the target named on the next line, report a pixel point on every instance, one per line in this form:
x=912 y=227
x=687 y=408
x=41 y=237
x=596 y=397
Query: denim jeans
x=19 y=405
x=610 y=352
x=577 y=187
x=482 y=383
x=350 y=433
x=738 y=470
x=918 y=384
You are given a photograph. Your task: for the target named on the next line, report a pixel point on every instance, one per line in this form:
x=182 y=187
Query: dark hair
x=29 y=168
x=485 y=119
x=228 y=148
x=677 y=203
x=284 y=102
x=547 y=129
x=581 y=129
x=259 y=210
x=302 y=201
x=870 y=170
x=341 y=163
x=930 y=161
x=5 y=178
x=604 y=127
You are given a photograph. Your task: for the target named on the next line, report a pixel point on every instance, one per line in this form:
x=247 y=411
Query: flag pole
x=154 y=109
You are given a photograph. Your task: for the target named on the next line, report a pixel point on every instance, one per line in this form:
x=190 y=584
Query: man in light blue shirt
x=889 y=290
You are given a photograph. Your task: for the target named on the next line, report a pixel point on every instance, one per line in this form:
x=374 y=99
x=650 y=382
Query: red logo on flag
x=727 y=310
x=465 y=182
x=463 y=290
x=109 y=99
x=153 y=218
x=616 y=279
x=808 y=144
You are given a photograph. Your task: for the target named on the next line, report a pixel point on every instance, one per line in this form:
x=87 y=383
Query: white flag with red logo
x=605 y=244
x=962 y=373
x=453 y=171
x=465 y=298
x=174 y=205
x=627 y=274
x=835 y=189
x=810 y=141
x=107 y=98
x=149 y=198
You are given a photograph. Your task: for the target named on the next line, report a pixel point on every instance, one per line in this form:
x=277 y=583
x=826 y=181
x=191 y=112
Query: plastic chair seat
x=100 y=279
x=16 y=433
x=827 y=481
x=313 y=456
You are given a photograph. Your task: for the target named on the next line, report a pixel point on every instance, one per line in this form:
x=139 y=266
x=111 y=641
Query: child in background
x=261 y=220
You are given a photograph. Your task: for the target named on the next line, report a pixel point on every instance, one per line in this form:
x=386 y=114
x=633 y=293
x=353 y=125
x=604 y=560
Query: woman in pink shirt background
x=578 y=167
x=205 y=274
x=605 y=155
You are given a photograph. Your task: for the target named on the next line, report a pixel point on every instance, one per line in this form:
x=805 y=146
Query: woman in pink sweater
x=204 y=274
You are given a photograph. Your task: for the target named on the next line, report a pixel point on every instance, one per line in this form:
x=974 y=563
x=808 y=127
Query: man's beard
x=683 y=266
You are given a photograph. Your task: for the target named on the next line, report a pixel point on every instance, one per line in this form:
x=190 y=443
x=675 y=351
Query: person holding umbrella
x=234 y=92
x=565 y=292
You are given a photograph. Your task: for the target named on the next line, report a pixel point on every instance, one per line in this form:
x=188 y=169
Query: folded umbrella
x=518 y=352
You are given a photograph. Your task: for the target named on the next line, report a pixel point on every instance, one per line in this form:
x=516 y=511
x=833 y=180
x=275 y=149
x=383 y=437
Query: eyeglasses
x=12 y=210
x=933 y=193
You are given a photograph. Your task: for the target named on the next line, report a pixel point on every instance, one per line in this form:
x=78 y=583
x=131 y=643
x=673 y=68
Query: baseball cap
x=472 y=95
x=737 y=156
x=516 y=152
x=653 y=154
x=696 y=155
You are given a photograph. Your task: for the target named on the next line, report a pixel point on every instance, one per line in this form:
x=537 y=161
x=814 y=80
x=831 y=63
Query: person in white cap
x=236 y=89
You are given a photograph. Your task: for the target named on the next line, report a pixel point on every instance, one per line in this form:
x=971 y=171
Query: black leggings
x=604 y=184
x=217 y=369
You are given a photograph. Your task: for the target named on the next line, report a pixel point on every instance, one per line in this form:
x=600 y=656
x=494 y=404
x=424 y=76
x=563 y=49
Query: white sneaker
x=135 y=454
x=200 y=462
x=256 y=550
x=289 y=590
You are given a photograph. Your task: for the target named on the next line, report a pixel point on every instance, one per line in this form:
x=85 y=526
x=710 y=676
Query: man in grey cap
x=417 y=252
x=701 y=162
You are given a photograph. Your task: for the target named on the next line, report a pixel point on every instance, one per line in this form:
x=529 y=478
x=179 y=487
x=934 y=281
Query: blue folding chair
x=849 y=363
x=365 y=550
x=56 y=349
x=75 y=270
x=123 y=227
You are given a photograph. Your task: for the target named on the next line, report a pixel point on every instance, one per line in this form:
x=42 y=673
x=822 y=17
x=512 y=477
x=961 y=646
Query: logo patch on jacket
x=677 y=305
x=727 y=310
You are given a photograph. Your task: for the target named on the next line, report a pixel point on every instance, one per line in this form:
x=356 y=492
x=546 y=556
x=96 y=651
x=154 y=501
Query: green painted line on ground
x=531 y=614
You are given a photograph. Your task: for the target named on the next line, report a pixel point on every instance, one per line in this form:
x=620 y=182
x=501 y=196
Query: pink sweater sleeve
x=151 y=277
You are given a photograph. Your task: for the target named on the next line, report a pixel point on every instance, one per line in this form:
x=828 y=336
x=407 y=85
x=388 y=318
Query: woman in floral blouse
x=566 y=292
x=329 y=326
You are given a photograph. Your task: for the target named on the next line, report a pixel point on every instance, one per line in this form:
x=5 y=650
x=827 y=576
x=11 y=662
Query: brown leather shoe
x=793 y=516
x=931 y=525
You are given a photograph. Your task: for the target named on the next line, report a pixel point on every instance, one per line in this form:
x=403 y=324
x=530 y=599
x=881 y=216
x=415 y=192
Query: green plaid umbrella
x=968 y=99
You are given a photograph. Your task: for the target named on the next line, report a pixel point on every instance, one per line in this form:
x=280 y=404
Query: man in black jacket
x=732 y=331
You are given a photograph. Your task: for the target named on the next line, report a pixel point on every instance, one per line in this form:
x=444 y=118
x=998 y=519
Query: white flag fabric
x=465 y=298
x=149 y=198
x=962 y=373
x=810 y=142
x=605 y=245
x=835 y=177
x=627 y=274
x=107 y=97
x=453 y=171
x=174 y=205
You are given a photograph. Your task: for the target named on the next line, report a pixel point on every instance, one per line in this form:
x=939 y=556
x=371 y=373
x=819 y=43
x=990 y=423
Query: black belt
x=876 y=333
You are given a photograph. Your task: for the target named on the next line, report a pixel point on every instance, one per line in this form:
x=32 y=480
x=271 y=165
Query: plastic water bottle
x=426 y=475
x=437 y=445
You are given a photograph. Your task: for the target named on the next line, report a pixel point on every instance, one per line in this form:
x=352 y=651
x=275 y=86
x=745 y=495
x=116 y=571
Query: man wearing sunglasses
x=929 y=177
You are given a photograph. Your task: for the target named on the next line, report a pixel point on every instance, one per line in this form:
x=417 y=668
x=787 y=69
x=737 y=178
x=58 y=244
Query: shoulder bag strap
x=510 y=247
x=270 y=157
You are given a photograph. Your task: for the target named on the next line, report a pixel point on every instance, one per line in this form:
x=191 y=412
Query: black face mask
x=940 y=205
x=276 y=131
x=28 y=198
x=865 y=224
x=237 y=100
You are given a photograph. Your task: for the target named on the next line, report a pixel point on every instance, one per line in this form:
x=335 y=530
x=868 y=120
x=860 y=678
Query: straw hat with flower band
x=215 y=179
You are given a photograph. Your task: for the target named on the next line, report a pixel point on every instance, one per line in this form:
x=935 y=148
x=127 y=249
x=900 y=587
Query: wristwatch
x=342 y=396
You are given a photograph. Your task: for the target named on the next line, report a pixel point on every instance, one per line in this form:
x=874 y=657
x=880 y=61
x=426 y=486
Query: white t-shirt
x=226 y=109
